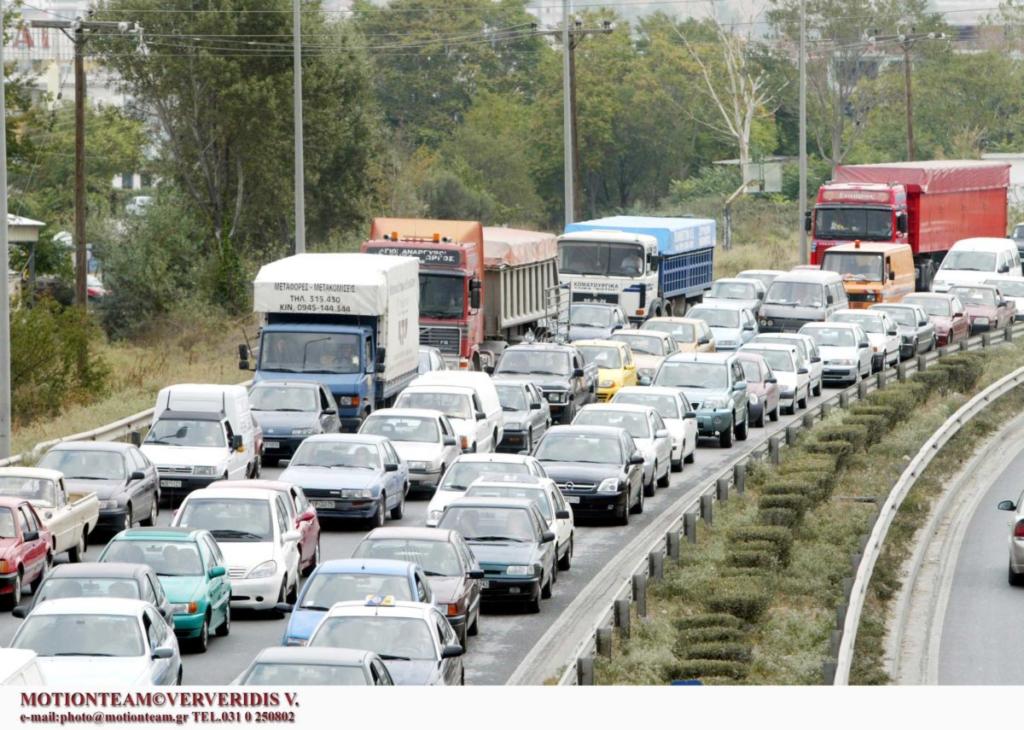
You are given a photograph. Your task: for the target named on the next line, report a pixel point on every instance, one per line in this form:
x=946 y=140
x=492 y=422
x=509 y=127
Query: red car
x=946 y=312
x=24 y=549
x=987 y=308
x=304 y=514
x=762 y=387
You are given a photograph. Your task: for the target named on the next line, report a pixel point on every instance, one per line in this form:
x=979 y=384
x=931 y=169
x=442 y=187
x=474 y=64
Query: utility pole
x=804 y=253
x=5 y=295
x=77 y=35
x=300 y=175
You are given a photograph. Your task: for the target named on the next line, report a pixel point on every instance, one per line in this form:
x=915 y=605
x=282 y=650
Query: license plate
x=513 y=589
x=321 y=504
x=170 y=482
x=272 y=444
x=485 y=584
x=572 y=500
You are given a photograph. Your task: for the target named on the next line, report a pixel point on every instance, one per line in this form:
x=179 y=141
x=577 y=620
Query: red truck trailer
x=929 y=205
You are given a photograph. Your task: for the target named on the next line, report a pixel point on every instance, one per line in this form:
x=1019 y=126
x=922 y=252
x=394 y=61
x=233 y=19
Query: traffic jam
x=459 y=401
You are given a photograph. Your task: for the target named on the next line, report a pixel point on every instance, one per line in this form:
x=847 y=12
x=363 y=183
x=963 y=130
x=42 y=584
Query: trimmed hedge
x=752 y=559
x=705 y=668
x=725 y=651
x=965 y=369
x=706 y=620
x=876 y=426
x=935 y=379
x=778 y=517
x=786 y=501
x=839 y=449
x=781 y=537
x=902 y=398
x=856 y=436
x=744 y=599
x=796 y=461
x=708 y=633
x=891 y=415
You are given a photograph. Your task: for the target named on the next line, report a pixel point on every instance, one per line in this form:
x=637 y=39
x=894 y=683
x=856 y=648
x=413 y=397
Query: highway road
x=505 y=638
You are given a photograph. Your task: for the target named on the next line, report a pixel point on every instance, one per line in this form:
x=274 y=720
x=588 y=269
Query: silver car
x=649 y=432
x=1015 y=571
x=732 y=324
x=525 y=414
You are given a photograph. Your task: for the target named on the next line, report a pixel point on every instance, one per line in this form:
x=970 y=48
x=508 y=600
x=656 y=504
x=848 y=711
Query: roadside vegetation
x=753 y=602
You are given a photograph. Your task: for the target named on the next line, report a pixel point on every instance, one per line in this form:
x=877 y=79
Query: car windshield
x=391 y=637
x=974 y=296
x=693 y=375
x=666 y=405
x=436 y=557
x=867 y=224
x=453 y=405
x=302 y=675
x=732 y=290
x=310 y=352
x=166 y=558
x=588 y=315
x=403 y=428
x=489 y=524
x=1018 y=231
x=7 y=524
x=869 y=323
x=751 y=371
x=1009 y=288
x=186 y=432
x=85 y=464
x=934 y=306
x=642 y=343
x=40 y=490
x=441 y=296
x=463 y=473
x=777 y=359
x=534 y=362
x=799 y=344
x=604 y=357
x=969 y=261
x=716 y=317
x=337 y=454
x=582 y=447
x=636 y=424
x=90 y=634
x=680 y=331
x=57 y=587
x=854 y=266
x=832 y=336
x=765 y=279
x=512 y=491
x=512 y=397
x=902 y=316
x=283 y=398
x=229 y=520
x=600 y=259
x=795 y=293
x=326 y=588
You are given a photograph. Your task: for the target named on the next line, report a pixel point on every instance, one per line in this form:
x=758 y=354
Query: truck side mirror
x=474 y=294
x=901 y=223
x=807 y=221
x=892 y=275
x=243 y=357
x=381 y=354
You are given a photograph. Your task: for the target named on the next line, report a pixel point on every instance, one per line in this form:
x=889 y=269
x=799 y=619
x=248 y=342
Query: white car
x=650 y=348
x=461 y=405
x=649 y=432
x=883 y=334
x=671 y=405
x=808 y=349
x=19 y=667
x=105 y=641
x=468 y=468
x=425 y=439
x=1012 y=288
x=790 y=369
x=845 y=350
x=549 y=500
x=260 y=544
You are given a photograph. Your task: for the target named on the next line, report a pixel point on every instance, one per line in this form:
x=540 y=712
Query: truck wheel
x=75 y=554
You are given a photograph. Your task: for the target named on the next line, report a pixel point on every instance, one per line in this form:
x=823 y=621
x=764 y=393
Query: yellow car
x=616 y=366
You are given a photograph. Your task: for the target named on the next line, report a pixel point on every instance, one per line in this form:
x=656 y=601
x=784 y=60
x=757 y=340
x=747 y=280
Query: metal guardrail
x=889 y=510
x=669 y=529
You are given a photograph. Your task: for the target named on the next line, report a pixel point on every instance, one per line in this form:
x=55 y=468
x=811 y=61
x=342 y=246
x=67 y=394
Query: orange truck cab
x=872 y=272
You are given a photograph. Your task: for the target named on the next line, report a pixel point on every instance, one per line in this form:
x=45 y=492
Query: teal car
x=715 y=387
x=192 y=572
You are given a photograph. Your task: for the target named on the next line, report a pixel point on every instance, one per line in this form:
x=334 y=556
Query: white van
x=468 y=398
x=974 y=260
x=202 y=433
x=19 y=668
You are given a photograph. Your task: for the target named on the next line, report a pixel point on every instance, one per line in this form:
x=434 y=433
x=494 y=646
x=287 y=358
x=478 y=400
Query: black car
x=101 y=580
x=566 y=380
x=598 y=468
x=125 y=482
x=288 y=412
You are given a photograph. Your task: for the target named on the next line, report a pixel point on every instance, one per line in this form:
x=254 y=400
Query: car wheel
x=315 y=561
x=180 y=675
x=128 y=517
x=225 y=627
x=725 y=438
x=462 y=634
x=1014 y=579
x=743 y=428
x=200 y=644
x=545 y=592
x=638 y=508
x=533 y=606
x=677 y=464
x=622 y=516
x=802 y=403
x=528 y=446
x=664 y=480
x=398 y=511
x=649 y=487
x=13 y=598
x=565 y=562
x=774 y=415
x=759 y=423
x=281 y=598
x=689 y=458
x=42 y=574
x=154 y=510
x=378 y=517
x=75 y=554
x=817 y=389
x=474 y=628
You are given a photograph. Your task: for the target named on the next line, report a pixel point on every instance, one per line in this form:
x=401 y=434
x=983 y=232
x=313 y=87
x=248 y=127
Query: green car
x=192 y=572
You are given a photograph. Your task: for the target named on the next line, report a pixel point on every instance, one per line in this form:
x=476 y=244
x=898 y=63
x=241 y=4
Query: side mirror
x=1007 y=505
x=450 y=651
x=957 y=315
x=563 y=514
x=922 y=323
x=243 y=357
x=136 y=476
x=236 y=442
x=772 y=380
x=475 y=574
x=830 y=299
x=481 y=416
x=20 y=611
x=535 y=406
x=636 y=458
x=474 y=295
x=381 y=355
x=330 y=412
x=547 y=536
x=661 y=433
x=30 y=536
x=291 y=536
x=893 y=332
x=690 y=414
x=217 y=571
x=748 y=327
x=739 y=385
x=901 y=223
x=163 y=652
x=577 y=373
x=892 y=275
x=863 y=345
x=802 y=371
x=391 y=467
x=283 y=607
x=807 y=221
x=816 y=358
x=448 y=441
x=489 y=369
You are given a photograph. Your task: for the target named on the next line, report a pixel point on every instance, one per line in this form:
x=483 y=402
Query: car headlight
x=753 y=399
x=293 y=641
x=108 y=504
x=348 y=401
x=357 y=493
x=514 y=426
x=982 y=320
x=841 y=361
x=716 y=403
x=519 y=570
x=303 y=431
x=611 y=484
x=726 y=343
x=419 y=465
x=185 y=608
x=606 y=384
x=263 y=570
x=205 y=471
x=436 y=514
x=555 y=396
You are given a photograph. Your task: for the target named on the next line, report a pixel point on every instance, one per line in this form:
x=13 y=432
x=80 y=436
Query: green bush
x=839 y=449
x=875 y=426
x=855 y=435
x=781 y=537
x=965 y=369
x=797 y=460
x=786 y=501
x=752 y=559
x=891 y=415
x=707 y=620
x=902 y=398
x=778 y=516
x=725 y=651
x=936 y=379
x=744 y=599
x=708 y=633
x=704 y=668
x=735 y=571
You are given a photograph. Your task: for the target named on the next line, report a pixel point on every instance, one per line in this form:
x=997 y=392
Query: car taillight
x=453 y=609
x=465 y=441
x=1018 y=529
x=5 y=567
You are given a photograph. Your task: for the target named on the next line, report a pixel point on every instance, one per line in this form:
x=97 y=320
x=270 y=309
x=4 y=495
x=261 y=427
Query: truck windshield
x=868 y=224
x=310 y=352
x=533 y=362
x=181 y=432
x=795 y=293
x=600 y=259
x=603 y=357
x=441 y=296
x=40 y=490
x=854 y=266
x=969 y=261
x=283 y=398
x=453 y=405
x=85 y=464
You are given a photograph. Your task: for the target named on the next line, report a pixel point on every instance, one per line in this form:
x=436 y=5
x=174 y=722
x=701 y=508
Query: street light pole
x=804 y=253
x=909 y=98
x=300 y=175
x=567 y=131
x=5 y=295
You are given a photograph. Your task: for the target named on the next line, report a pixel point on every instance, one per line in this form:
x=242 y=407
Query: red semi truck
x=471 y=326
x=929 y=205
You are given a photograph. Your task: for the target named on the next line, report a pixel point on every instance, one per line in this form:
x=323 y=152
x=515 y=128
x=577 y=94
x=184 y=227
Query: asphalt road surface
x=505 y=638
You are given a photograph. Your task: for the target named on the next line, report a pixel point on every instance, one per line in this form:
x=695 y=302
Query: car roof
x=518 y=480
x=30 y=472
x=269 y=484
x=894 y=305
x=352 y=438
x=493 y=458
x=1011 y=279
x=432 y=534
x=117 y=446
x=12 y=502
x=833 y=323
x=869 y=247
x=736 y=280
x=983 y=243
x=375 y=566
x=105 y=606
x=780 y=336
x=595 y=430
x=449 y=388
x=600 y=343
x=850 y=310
x=633 y=331
x=711 y=303
x=163 y=534
x=624 y=407
x=403 y=413
x=929 y=295
x=676 y=320
x=98 y=570
x=398 y=609
x=718 y=358
x=169 y=415
x=306 y=384
x=492 y=502
x=544 y=346
x=770 y=346
x=230 y=493
x=777 y=272
x=313 y=655
x=652 y=389
x=986 y=287
x=810 y=276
